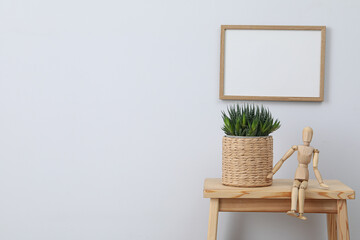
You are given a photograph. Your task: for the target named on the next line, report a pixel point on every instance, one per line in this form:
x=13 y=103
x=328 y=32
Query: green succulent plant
x=249 y=120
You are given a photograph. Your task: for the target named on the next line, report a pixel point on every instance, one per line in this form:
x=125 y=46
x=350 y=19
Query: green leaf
x=237 y=127
x=248 y=120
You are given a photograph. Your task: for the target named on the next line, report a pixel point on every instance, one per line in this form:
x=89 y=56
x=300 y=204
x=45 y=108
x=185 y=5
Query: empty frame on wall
x=276 y=63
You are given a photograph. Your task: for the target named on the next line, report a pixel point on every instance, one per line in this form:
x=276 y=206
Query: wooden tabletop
x=280 y=189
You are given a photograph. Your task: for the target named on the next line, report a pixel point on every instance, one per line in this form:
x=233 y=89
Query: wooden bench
x=276 y=198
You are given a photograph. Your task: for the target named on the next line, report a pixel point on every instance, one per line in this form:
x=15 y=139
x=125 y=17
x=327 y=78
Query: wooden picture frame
x=299 y=74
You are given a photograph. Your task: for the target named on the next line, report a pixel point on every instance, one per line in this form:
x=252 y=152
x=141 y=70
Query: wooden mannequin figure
x=300 y=184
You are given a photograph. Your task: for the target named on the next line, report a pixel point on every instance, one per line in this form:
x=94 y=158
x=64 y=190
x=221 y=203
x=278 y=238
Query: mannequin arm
x=316 y=170
x=282 y=160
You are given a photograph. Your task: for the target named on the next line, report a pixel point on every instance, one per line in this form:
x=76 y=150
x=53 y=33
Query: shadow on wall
x=235 y=226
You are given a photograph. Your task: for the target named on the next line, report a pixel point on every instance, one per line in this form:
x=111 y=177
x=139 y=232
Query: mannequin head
x=307 y=135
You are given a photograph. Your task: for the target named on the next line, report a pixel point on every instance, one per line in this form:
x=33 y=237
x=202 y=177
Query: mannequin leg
x=294 y=198
x=303 y=187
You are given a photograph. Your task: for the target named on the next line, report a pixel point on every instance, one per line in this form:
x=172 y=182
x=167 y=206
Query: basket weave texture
x=246 y=161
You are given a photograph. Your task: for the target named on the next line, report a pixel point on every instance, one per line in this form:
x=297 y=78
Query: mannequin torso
x=304 y=158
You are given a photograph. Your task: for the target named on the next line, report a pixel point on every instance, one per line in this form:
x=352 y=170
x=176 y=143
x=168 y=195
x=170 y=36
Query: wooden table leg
x=342 y=220
x=213 y=218
x=331 y=226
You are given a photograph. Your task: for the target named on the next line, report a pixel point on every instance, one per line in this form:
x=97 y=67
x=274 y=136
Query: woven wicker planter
x=246 y=161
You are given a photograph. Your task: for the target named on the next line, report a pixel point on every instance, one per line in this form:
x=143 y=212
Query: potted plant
x=247 y=151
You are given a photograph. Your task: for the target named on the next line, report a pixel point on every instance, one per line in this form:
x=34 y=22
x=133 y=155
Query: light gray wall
x=110 y=117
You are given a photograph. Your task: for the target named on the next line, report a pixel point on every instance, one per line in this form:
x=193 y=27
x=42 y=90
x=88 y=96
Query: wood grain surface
x=332 y=226
x=342 y=220
x=275 y=205
x=281 y=189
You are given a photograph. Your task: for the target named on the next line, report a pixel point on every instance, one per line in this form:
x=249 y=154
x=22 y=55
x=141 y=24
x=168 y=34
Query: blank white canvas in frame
x=283 y=63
